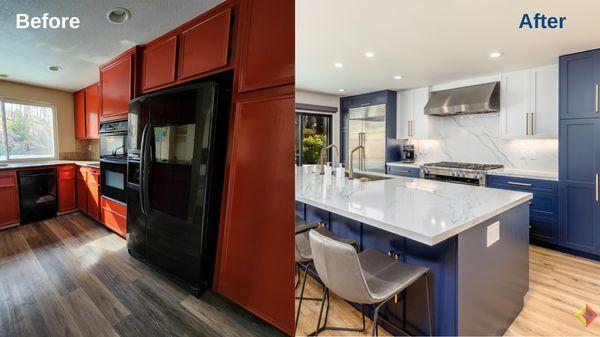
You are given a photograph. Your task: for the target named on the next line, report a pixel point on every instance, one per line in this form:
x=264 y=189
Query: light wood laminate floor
x=70 y=276
x=559 y=285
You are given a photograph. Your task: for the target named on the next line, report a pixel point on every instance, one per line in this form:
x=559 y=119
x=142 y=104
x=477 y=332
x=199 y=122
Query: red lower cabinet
x=9 y=199
x=259 y=216
x=93 y=196
x=66 y=188
x=114 y=215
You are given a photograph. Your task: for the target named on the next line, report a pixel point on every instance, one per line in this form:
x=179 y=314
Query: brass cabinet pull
x=597 y=97
x=596 y=187
x=527 y=123
x=519 y=184
x=532 y=124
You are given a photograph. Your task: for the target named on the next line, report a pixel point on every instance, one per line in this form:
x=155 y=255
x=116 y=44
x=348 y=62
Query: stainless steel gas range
x=463 y=173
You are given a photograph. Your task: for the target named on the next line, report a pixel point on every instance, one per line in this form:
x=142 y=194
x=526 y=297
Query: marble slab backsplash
x=477 y=139
x=85 y=149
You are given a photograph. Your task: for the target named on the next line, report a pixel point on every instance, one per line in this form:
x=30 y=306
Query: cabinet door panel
x=261 y=225
x=93 y=201
x=268 y=46
x=92 y=111
x=515 y=97
x=79 y=101
x=405 y=104
x=578 y=80
x=9 y=212
x=66 y=195
x=158 y=63
x=82 y=195
x=205 y=46
x=420 y=119
x=116 y=81
x=544 y=102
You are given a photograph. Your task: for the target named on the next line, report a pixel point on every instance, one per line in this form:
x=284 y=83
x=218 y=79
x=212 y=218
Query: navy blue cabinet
x=543 y=209
x=579 y=152
x=405 y=171
x=578 y=85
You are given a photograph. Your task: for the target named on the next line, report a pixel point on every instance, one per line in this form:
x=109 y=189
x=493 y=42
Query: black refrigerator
x=175 y=168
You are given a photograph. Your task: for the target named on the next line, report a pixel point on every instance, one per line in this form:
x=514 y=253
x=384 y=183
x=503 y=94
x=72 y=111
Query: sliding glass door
x=313 y=133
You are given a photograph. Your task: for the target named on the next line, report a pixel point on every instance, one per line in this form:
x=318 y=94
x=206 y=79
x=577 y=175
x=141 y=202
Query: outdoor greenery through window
x=26 y=131
x=313 y=133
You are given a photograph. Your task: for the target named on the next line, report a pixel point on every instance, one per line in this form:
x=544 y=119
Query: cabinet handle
x=597 y=97
x=596 y=182
x=408 y=127
x=527 y=123
x=401 y=171
x=532 y=124
x=519 y=184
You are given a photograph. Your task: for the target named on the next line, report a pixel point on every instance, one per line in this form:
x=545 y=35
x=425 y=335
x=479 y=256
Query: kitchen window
x=27 y=131
x=313 y=132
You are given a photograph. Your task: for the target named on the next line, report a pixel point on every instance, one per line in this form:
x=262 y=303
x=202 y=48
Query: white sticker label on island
x=493 y=233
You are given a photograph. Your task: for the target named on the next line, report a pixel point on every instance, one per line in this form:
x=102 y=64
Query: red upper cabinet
x=205 y=46
x=117 y=86
x=159 y=63
x=79 y=98
x=267 y=48
x=92 y=110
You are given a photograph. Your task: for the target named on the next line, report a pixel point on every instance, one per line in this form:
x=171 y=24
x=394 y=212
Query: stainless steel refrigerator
x=366 y=127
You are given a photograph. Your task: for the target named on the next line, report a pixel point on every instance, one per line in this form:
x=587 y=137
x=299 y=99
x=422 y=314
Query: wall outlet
x=531 y=155
x=493 y=233
x=523 y=154
x=89 y=148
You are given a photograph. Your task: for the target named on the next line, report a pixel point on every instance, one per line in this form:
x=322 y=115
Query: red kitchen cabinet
x=81 y=184
x=159 y=63
x=93 y=196
x=92 y=111
x=9 y=199
x=66 y=188
x=267 y=47
x=205 y=46
x=79 y=106
x=262 y=225
x=117 y=86
x=114 y=215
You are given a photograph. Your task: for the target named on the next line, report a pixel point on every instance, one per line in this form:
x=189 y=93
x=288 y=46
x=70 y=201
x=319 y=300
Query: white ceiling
x=25 y=54
x=429 y=41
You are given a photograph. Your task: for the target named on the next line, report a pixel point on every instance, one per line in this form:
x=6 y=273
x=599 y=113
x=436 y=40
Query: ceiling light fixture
x=54 y=68
x=341 y=90
x=398 y=77
x=495 y=54
x=338 y=64
x=369 y=54
x=118 y=15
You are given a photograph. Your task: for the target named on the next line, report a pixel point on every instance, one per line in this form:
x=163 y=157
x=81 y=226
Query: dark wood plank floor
x=69 y=276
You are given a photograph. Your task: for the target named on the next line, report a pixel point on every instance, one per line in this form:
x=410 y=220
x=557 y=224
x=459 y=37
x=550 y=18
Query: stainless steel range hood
x=473 y=99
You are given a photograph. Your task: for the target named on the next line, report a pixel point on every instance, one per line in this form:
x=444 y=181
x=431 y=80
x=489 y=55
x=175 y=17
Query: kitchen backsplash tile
x=87 y=149
x=476 y=138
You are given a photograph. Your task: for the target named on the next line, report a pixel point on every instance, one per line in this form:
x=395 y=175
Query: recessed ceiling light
x=341 y=90
x=398 y=77
x=118 y=15
x=338 y=64
x=3 y=75
x=54 y=68
x=369 y=54
x=495 y=54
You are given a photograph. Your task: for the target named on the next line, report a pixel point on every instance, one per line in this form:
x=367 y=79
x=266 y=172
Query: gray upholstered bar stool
x=368 y=277
x=304 y=255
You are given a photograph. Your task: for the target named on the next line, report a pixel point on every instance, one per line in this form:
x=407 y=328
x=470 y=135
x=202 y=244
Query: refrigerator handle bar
x=142 y=168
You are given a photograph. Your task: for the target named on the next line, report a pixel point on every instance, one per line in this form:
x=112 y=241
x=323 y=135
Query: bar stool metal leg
x=428 y=304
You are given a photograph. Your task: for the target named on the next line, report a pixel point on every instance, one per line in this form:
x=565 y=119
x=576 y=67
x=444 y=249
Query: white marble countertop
x=544 y=175
x=28 y=164
x=426 y=211
x=416 y=164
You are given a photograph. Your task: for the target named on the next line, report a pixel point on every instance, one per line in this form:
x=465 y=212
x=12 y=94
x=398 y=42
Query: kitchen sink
x=368 y=177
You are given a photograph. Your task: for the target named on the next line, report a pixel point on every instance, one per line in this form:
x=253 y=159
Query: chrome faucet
x=350 y=170
x=320 y=163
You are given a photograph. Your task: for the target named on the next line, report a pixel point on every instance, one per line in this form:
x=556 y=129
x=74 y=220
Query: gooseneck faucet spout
x=350 y=169
x=320 y=163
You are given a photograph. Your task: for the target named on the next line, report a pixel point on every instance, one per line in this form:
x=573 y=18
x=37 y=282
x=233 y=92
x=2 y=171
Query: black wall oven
x=113 y=160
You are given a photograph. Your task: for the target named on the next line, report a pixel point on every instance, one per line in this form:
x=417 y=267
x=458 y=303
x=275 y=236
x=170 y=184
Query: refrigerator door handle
x=142 y=168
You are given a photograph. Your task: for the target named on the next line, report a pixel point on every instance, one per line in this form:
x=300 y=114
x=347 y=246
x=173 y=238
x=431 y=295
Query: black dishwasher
x=37 y=194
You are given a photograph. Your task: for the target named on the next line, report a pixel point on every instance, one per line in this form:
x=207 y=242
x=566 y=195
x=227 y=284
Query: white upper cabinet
x=529 y=103
x=410 y=115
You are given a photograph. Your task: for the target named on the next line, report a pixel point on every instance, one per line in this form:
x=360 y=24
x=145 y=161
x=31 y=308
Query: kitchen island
x=473 y=239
